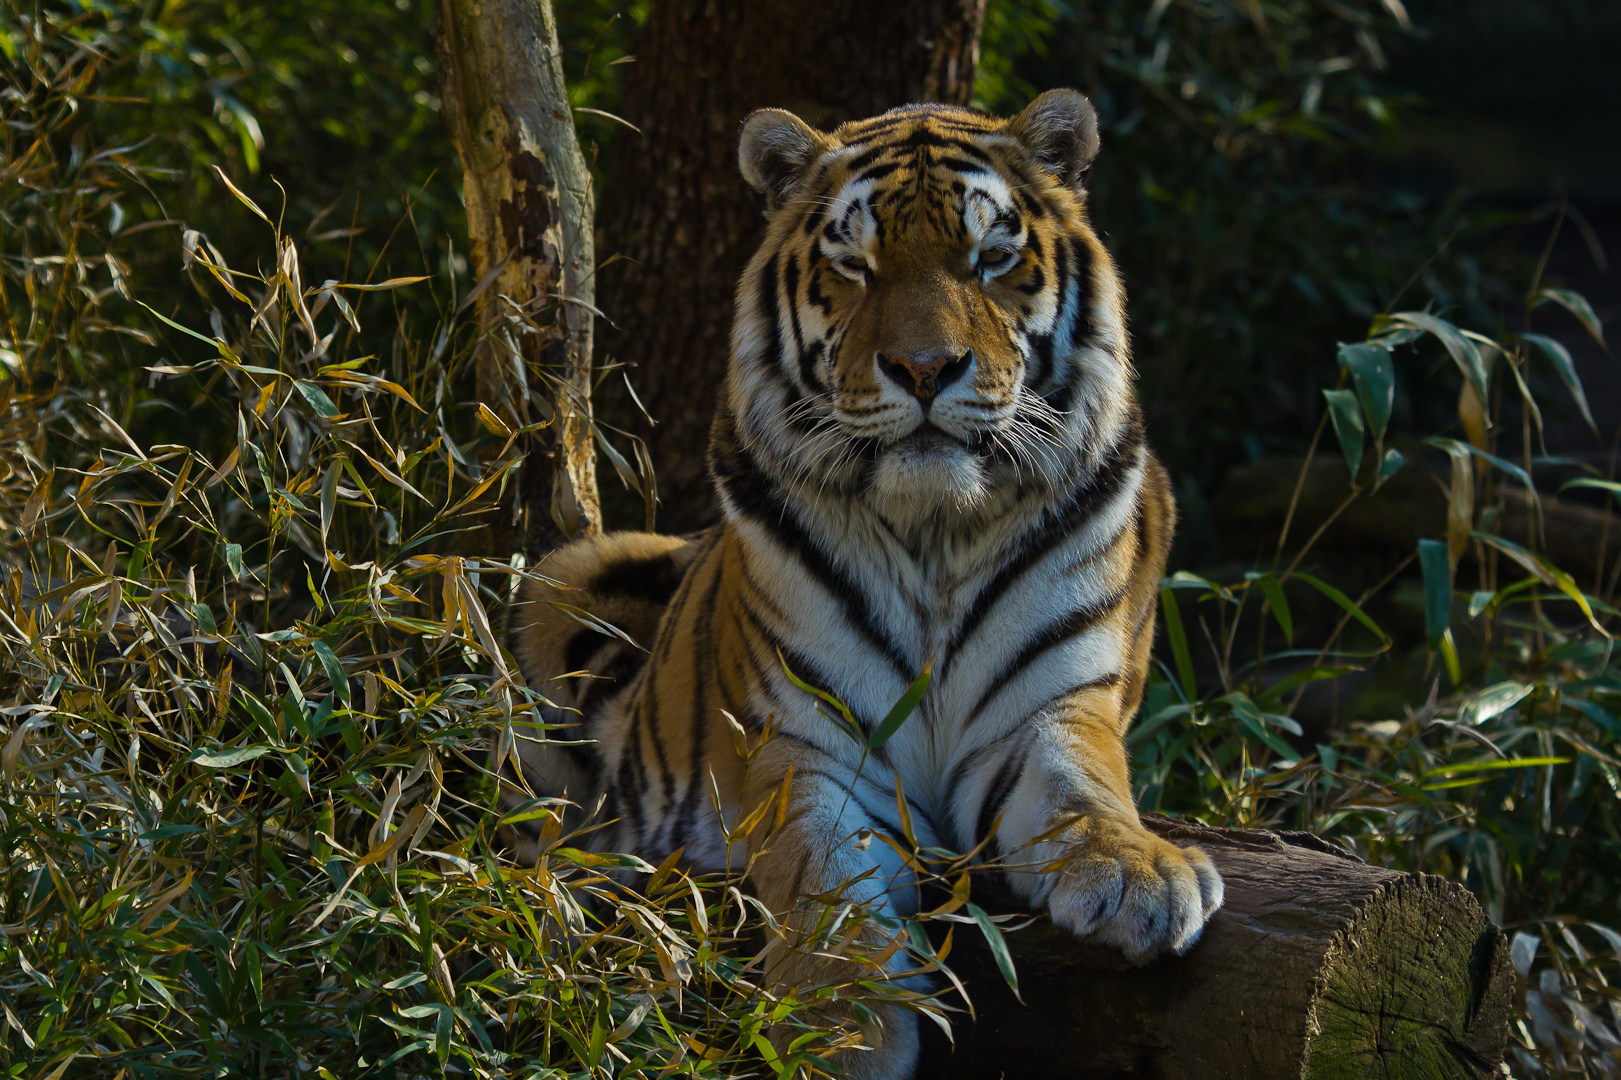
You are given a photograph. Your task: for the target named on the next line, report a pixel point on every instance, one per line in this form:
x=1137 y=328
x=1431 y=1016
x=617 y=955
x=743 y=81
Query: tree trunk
x=685 y=222
x=1317 y=966
x=529 y=217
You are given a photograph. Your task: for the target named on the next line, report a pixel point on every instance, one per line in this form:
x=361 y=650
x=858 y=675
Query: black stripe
x=1054 y=634
x=996 y=796
x=653 y=579
x=1044 y=353
x=752 y=493
x=963 y=165
x=581 y=647
x=1056 y=526
x=878 y=172
x=804 y=670
x=807 y=366
x=769 y=311
x=655 y=735
x=1082 y=269
x=703 y=651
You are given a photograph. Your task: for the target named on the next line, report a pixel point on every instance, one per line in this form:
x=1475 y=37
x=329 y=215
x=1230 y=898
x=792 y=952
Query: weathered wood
x=1317 y=967
x=677 y=209
x=529 y=217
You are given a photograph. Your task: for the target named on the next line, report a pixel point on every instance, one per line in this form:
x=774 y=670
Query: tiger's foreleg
x=1076 y=847
x=828 y=856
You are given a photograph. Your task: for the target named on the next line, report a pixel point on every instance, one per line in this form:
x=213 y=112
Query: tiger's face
x=931 y=317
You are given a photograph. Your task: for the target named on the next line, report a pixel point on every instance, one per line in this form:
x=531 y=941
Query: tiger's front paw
x=1126 y=887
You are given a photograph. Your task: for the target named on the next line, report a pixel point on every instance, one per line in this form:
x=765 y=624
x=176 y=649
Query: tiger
x=927 y=451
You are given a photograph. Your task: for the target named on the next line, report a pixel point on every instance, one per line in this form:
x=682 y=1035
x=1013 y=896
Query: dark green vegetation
x=285 y=864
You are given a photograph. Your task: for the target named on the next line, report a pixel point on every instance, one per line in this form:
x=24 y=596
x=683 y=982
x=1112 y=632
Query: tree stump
x=1317 y=967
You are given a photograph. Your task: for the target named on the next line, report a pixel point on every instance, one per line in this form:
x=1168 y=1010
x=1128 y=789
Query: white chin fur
x=929 y=477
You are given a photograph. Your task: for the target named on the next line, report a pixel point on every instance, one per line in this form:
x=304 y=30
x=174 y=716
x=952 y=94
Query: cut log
x=1317 y=966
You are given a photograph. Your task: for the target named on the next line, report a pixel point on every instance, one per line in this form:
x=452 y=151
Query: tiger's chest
x=1003 y=620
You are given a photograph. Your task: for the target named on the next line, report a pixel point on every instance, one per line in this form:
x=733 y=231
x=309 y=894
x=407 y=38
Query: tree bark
x=1317 y=967
x=529 y=218
x=683 y=219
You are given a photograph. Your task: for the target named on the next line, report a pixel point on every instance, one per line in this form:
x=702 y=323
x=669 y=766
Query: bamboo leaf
x=1179 y=643
x=1576 y=304
x=1345 y=602
x=1347 y=417
x=1565 y=366
x=1434 y=560
x=902 y=709
x=1374 y=376
x=998 y=947
x=1464 y=352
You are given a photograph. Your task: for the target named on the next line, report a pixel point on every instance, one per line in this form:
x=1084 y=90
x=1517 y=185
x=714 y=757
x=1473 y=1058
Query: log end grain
x=1420 y=984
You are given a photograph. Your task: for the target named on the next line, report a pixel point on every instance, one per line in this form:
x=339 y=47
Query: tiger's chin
x=928 y=474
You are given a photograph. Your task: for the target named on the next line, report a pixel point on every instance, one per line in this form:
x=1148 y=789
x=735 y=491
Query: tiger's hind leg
x=622 y=579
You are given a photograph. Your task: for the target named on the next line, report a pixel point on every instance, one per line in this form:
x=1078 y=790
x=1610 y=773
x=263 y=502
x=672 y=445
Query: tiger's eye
x=994 y=259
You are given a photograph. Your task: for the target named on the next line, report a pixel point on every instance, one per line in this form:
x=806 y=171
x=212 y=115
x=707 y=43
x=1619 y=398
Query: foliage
x=1511 y=782
x=1234 y=188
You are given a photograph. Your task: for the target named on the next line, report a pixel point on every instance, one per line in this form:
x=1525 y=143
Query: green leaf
x=1566 y=367
x=329 y=496
x=1432 y=558
x=1611 y=486
x=1464 y=352
x=1345 y=602
x=443 y=1029
x=1273 y=590
x=1545 y=571
x=998 y=947
x=224 y=759
x=317 y=398
x=1392 y=464
x=334 y=669
x=851 y=727
x=902 y=709
x=1347 y=417
x=1374 y=376
x=233 y=559
x=1576 y=304
x=1493 y=701
x=1453 y=446
x=1179 y=643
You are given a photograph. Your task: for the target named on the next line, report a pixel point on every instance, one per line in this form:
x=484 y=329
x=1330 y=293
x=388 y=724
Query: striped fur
x=1009 y=521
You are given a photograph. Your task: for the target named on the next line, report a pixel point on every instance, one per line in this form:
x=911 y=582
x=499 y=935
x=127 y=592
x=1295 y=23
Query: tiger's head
x=931 y=317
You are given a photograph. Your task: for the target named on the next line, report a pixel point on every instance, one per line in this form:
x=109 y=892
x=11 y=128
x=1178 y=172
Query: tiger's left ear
x=1061 y=129
x=775 y=151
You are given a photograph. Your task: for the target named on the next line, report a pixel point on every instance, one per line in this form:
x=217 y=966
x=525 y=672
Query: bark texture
x=529 y=219
x=1317 y=967
x=683 y=219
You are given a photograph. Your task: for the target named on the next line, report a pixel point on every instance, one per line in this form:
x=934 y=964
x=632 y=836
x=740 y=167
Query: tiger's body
x=928 y=447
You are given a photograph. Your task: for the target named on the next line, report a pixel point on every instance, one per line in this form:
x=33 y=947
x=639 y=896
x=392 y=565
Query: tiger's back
x=928 y=450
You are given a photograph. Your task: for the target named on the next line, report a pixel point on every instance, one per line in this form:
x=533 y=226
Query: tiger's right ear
x=774 y=152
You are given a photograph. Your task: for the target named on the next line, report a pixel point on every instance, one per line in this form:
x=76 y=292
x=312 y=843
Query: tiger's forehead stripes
x=908 y=171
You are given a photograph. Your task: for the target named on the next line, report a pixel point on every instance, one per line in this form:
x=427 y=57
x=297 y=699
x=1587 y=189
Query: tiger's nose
x=926 y=374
